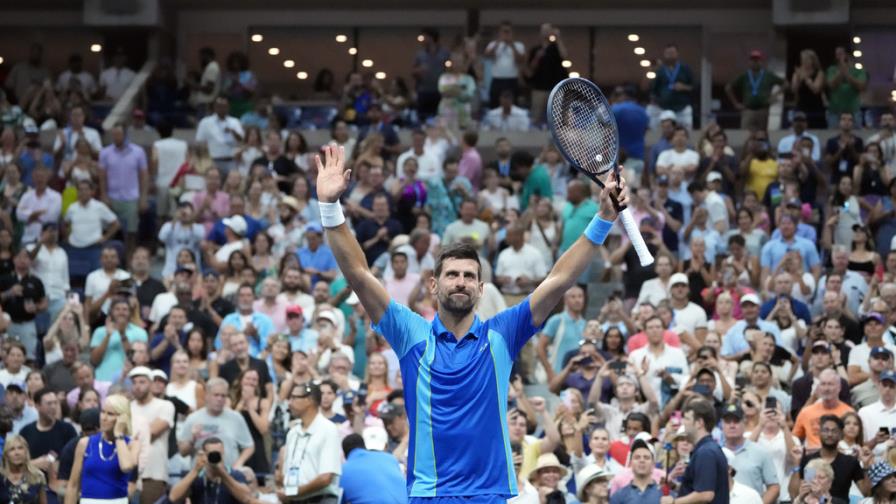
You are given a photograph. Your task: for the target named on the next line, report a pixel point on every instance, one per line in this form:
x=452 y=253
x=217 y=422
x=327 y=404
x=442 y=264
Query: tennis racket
x=585 y=132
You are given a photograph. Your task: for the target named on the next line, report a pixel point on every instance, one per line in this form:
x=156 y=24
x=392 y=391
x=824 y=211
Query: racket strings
x=584 y=127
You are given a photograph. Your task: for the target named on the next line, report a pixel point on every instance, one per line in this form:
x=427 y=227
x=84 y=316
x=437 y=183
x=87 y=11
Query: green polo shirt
x=844 y=97
x=764 y=81
x=575 y=220
x=538 y=183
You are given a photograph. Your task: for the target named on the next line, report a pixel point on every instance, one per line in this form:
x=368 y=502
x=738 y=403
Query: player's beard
x=458 y=305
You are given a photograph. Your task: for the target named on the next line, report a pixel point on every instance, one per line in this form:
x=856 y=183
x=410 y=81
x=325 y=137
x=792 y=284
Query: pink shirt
x=640 y=340
x=220 y=205
x=277 y=312
x=400 y=290
x=625 y=476
x=100 y=386
x=470 y=166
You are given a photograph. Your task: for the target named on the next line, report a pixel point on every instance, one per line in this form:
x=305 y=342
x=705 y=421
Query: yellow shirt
x=761 y=174
x=531 y=452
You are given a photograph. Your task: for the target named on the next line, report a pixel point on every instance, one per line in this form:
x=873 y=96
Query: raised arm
x=332 y=181
x=574 y=261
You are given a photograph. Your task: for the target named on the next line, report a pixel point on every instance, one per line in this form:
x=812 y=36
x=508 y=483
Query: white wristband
x=331 y=214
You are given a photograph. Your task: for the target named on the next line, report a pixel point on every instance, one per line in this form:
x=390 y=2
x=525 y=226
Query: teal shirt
x=537 y=183
x=113 y=360
x=575 y=220
x=844 y=97
x=565 y=333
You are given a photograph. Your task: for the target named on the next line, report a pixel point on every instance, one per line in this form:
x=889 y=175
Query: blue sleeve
x=730 y=346
x=706 y=473
x=402 y=328
x=515 y=325
x=765 y=256
x=766 y=308
x=550 y=327
x=812 y=256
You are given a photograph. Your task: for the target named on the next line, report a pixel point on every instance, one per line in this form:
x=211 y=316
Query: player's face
x=458 y=288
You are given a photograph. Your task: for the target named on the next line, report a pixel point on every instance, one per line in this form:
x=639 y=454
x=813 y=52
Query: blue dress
x=101 y=476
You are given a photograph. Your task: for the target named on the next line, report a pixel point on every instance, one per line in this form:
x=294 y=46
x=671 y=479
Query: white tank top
x=172 y=154
x=186 y=392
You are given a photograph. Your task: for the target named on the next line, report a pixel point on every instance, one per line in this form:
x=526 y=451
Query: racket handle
x=634 y=234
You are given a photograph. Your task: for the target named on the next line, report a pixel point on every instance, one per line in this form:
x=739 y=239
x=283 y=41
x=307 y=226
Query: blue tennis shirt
x=456 y=399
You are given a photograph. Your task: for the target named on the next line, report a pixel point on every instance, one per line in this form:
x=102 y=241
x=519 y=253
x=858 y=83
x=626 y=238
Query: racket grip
x=634 y=234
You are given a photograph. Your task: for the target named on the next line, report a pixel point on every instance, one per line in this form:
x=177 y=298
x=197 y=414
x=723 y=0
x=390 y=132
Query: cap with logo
x=678 y=278
x=733 y=411
x=880 y=351
x=888 y=375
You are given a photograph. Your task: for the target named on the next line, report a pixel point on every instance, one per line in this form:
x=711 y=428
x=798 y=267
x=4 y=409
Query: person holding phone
x=816 y=489
x=773 y=435
x=667 y=366
x=879 y=418
x=846 y=467
x=752 y=462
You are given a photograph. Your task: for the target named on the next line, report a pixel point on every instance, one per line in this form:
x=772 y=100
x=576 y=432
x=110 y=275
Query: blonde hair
x=809 y=53
x=821 y=466
x=31 y=474
x=122 y=406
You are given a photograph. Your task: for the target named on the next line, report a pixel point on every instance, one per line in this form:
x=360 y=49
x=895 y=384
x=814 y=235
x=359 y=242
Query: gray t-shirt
x=229 y=426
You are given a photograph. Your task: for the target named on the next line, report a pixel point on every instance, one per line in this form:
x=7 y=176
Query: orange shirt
x=807 y=422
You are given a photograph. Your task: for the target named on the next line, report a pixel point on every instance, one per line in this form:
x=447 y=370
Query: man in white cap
x=667 y=129
x=235 y=229
x=152 y=418
x=690 y=318
x=735 y=344
x=707 y=197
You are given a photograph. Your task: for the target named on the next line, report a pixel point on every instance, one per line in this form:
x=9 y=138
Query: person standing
x=671 y=90
x=845 y=84
x=69 y=136
x=124 y=182
x=545 y=69
x=508 y=55
x=452 y=348
x=166 y=157
x=21 y=482
x=643 y=489
x=429 y=64
x=47 y=435
x=39 y=205
x=222 y=133
x=751 y=462
x=309 y=461
x=207 y=87
x=752 y=92
x=706 y=477
x=632 y=121
x=23 y=297
x=215 y=419
x=807 y=425
x=116 y=79
x=153 y=419
x=365 y=469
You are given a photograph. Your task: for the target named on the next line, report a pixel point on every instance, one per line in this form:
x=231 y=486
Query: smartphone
x=809 y=474
x=586 y=361
x=74 y=298
x=618 y=366
x=885 y=431
x=740 y=382
x=701 y=389
x=893 y=431
x=771 y=403
x=566 y=397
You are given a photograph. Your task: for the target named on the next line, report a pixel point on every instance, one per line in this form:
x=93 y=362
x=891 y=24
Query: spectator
x=666 y=365
x=670 y=90
x=458 y=90
x=843 y=151
x=401 y=282
x=642 y=487
x=520 y=266
x=61 y=373
x=316 y=257
x=38 y=206
x=21 y=412
x=844 y=82
x=508 y=55
x=14 y=369
x=227 y=482
x=26 y=73
x=75 y=77
x=752 y=92
x=153 y=422
x=790 y=143
x=364 y=469
x=375 y=234
x=563 y=332
x=806 y=426
x=111 y=343
x=506 y=116
x=886 y=140
x=808 y=84
x=124 y=182
x=758 y=167
x=882 y=476
x=776 y=249
x=47 y=434
x=470 y=165
x=217 y=420
x=427 y=165
x=255 y=325
x=873 y=328
x=28 y=157
x=846 y=467
x=545 y=69
x=115 y=79
x=312 y=470
x=845 y=282
x=429 y=63
x=247 y=397
x=205 y=88
x=21 y=481
x=736 y=340
x=23 y=298
x=69 y=136
x=632 y=121
x=88 y=221
x=752 y=463
x=238 y=84
x=377 y=123
x=51 y=267
x=167 y=155
x=95 y=477
x=222 y=133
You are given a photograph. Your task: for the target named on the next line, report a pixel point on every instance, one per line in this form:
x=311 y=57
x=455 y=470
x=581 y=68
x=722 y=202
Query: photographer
x=210 y=481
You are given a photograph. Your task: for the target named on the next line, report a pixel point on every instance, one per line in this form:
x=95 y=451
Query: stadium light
x=447 y=63
x=341 y=38
x=302 y=75
x=257 y=37
x=420 y=38
x=274 y=51
x=367 y=63
x=859 y=66
x=289 y=63
x=651 y=75
x=857 y=40
x=353 y=51
x=380 y=75
x=574 y=74
x=857 y=54
x=1 y=60
x=645 y=63
x=96 y=48
x=633 y=37
x=566 y=64
x=639 y=51
x=552 y=38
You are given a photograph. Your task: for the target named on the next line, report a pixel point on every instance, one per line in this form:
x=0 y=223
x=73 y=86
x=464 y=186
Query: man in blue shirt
x=455 y=369
x=735 y=344
x=642 y=489
x=316 y=258
x=774 y=250
x=783 y=286
x=370 y=477
x=706 y=477
x=632 y=121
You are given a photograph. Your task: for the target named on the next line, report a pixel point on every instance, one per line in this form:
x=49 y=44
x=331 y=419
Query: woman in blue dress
x=20 y=481
x=104 y=461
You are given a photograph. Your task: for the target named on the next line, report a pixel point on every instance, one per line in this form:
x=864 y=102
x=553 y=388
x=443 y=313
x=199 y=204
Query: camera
x=214 y=457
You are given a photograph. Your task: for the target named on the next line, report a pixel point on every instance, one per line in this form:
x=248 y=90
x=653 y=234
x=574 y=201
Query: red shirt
x=640 y=340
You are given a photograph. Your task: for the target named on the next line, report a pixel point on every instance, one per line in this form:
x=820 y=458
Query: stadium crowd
x=175 y=303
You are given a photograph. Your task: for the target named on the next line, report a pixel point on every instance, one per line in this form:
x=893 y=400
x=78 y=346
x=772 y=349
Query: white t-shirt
x=153 y=457
x=777 y=449
x=670 y=157
x=742 y=494
x=6 y=377
x=52 y=269
x=97 y=284
x=87 y=222
x=690 y=318
x=223 y=253
x=797 y=293
x=653 y=291
x=211 y=74
x=718 y=212
x=427 y=165
x=161 y=305
x=212 y=130
x=860 y=354
x=68 y=138
x=671 y=357
x=88 y=83
x=526 y=261
x=116 y=81
x=505 y=60
x=170 y=154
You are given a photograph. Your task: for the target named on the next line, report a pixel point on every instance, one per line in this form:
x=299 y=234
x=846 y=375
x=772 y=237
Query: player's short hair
x=460 y=250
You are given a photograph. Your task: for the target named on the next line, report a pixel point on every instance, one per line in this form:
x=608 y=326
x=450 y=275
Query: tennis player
x=456 y=369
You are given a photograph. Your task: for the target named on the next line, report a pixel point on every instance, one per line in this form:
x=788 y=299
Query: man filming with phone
x=210 y=481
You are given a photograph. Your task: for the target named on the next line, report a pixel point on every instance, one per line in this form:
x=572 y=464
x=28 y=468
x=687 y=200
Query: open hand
x=332 y=177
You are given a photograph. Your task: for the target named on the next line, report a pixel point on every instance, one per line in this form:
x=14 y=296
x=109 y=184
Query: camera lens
x=214 y=457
